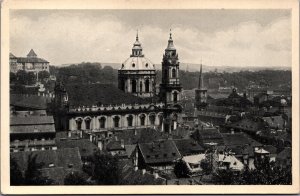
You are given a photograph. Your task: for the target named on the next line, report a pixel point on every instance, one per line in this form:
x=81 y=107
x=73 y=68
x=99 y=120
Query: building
x=137 y=74
x=200 y=93
x=170 y=87
x=157 y=155
x=97 y=108
x=31 y=63
x=31 y=133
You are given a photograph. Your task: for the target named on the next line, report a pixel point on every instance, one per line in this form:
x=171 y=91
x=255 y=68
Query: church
x=98 y=109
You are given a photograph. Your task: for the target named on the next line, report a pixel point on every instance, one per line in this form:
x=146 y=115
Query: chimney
x=122 y=143
x=143 y=171
x=69 y=134
x=155 y=175
x=116 y=138
x=136 y=168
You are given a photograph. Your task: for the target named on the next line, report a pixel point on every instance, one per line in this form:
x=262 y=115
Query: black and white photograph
x=99 y=97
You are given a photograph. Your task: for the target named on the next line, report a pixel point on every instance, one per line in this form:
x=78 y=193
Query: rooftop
x=159 y=152
x=98 y=94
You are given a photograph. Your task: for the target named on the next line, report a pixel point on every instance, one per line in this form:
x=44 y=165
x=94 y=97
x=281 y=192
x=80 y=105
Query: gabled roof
x=274 y=121
x=239 y=139
x=31 y=60
x=164 y=151
x=188 y=147
x=31 y=53
x=128 y=176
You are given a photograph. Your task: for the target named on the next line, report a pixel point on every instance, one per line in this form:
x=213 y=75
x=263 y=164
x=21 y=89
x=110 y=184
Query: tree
x=75 y=178
x=16 y=176
x=181 y=170
x=21 y=77
x=42 y=75
x=31 y=78
x=105 y=169
x=33 y=175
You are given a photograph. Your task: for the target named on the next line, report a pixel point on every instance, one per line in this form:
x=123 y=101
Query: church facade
x=133 y=105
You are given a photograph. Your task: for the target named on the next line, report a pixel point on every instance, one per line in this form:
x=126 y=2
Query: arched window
x=129 y=120
x=122 y=85
x=133 y=84
x=87 y=123
x=142 y=119
x=147 y=84
x=102 y=121
x=173 y=73
x=79 y=123
x=175 y=96
x=116 y=121
x=141 y=86
x=133 y=65
x=152 y=119
x=161 y=118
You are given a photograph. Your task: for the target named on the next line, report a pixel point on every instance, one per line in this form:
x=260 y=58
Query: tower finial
x=170 y=33
x=137 y=35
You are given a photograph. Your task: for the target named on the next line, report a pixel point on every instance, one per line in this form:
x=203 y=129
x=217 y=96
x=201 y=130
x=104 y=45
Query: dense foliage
x=75 y=178
x=32 y=174
x=94 y=73
x=103 y=169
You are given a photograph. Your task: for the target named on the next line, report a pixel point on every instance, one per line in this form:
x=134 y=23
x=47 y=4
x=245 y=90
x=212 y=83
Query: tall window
x=129 y=120
x=161 y=118
x=102 y=121
x=152 y=119
x=116 y=121
x=173 y=73
x=147 y=86
x=175 y=96
x=87 y=123
x=142 y=119
x=79 y=123
x=141 y=86
x=133 y=84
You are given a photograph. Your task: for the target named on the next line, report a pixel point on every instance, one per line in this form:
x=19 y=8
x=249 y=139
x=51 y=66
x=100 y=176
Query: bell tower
x=200 y=93
x=170 y=87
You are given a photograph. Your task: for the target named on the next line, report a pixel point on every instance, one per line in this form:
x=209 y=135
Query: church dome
x=137 y=63
x=137 y=60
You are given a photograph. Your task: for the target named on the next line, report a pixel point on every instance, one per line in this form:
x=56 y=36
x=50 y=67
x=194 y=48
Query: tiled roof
x=50 y=158
x=114 y=145
x=32 y=53
x=159 y=152
x=31 y=60
x=12 y=56
x=248 y=125
x=285 y=154
x=140 y=136
x=274 y=121
x=85 y=146
x=270 y=148
x=31 y=101
x=32 y=129
x=188 y=147
x=31 y=120
x=239 y=139
x=128 y=176
x=96 y=94
x=30 y=143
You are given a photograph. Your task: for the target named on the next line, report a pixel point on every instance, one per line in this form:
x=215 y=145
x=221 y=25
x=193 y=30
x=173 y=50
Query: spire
x=137 y=35
x=137 y=47
x=31 y=54
x=200 y=84
x=170 y=42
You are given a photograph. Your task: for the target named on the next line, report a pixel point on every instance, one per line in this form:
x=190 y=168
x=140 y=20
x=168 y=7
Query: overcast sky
x=218 y=37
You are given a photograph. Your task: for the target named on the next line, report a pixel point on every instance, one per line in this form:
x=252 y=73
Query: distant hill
x=192 y=67
x=106 y=73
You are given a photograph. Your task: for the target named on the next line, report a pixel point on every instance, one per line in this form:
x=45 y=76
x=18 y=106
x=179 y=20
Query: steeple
x=200 y=84
x=170 y=42
x=137 y=47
